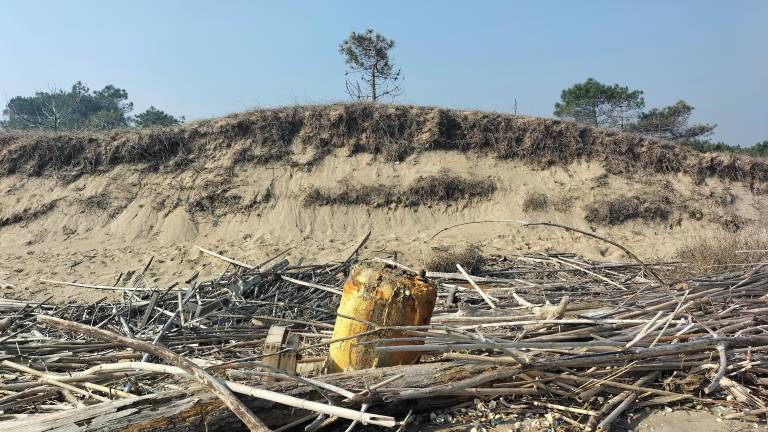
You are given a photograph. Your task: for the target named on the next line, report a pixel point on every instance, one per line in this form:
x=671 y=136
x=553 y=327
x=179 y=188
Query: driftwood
x=196 y=410
x=211 y=384
x=588 y=342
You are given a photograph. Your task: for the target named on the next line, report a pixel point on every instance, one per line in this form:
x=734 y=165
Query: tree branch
x=211 y=383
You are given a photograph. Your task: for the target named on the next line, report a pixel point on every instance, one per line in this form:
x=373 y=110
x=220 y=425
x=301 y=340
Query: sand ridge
x=114 y=222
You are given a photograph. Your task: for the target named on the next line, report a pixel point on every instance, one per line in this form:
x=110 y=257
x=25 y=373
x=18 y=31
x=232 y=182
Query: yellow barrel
x=386 y=297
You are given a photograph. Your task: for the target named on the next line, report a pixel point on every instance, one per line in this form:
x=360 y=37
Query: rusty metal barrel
x=386 y=297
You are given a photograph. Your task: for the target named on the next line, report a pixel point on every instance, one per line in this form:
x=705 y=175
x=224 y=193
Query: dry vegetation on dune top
x=390 y=131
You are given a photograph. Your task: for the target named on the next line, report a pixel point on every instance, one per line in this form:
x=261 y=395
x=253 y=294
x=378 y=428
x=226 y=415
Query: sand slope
x=99 y=225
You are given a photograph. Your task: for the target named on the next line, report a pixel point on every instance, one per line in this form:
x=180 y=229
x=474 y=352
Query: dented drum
x=386 y=297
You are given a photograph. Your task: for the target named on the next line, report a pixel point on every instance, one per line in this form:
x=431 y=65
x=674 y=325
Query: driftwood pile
x=585 y=342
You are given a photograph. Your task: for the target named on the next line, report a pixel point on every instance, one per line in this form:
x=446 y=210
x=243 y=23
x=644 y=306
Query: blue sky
x=208 y=58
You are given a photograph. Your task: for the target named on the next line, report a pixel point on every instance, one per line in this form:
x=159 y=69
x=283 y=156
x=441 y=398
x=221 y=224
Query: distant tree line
x=371 y=76
x=80 y=109
x=759 y=149
x=617 y=107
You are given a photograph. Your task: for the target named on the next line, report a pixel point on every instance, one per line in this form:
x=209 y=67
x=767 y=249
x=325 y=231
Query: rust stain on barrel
x=386 y=297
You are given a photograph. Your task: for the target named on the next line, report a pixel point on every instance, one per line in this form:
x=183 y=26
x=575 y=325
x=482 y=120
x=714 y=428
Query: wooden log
x=194 y=409
x=214 y=385
x=382 y=296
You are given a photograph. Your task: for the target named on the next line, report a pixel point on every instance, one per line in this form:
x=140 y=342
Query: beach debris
x=375 y=299
x=552 y=340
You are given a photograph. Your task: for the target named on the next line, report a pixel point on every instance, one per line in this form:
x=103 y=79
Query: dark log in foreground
x=197 y=410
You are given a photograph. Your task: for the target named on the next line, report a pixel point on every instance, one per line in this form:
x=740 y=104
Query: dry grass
x=623 y=208
x=102 y=203
x=350 y=193
x=392 y=132
x=717 y=250
x=731 y=222
x=564 y=204
x=444 y=187
x=445 y=259
x=722 y=197
x=601 y=181
x=535 y=202
x=696 y=214
x=27 y=214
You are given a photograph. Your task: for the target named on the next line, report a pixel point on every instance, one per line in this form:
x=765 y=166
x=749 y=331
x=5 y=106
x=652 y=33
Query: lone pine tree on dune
x=367 y=55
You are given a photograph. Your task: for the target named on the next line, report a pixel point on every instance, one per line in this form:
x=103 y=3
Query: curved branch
x=211 y=383
x=715 y=384
x=609 y=241
x=269 y=395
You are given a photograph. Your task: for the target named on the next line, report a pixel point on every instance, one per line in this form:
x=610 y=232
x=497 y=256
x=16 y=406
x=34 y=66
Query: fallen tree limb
x=250 y=391
x=211 y=383
x=101 y=287
x=194 y=409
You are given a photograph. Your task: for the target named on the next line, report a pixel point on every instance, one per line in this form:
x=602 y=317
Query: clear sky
x=208 y=58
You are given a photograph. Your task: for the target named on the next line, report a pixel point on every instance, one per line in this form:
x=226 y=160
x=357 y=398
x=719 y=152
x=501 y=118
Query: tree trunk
x=196 y=410
x=373 y=81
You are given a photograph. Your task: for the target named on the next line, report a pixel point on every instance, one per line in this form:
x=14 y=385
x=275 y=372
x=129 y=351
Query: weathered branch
x=212 y=384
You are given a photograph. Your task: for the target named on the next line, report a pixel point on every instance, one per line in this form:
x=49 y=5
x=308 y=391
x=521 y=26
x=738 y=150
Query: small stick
x=295 y=423
x=521 y=301
x=406 y=421
x=227 y=259
x=572 y=422
x=181 y=310
x=260 y=393
x=269 y=260
x=100 y=287
x=25 y=393
x=363 y=408
x=108 y=390
x=365 y=393
x=57 y=383
x=395 y=264
x=715 y=384
x=746 y=413
x=477 y=288
x=605 y=424
x=591 y=273
x=620 y=402
x=627 y=251
x=644 y=330
x=311 y=285
x=479 y=358
x=565 y=408
x=671 y=317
